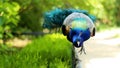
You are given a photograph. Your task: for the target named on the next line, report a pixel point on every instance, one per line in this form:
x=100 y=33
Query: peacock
x=77 y=25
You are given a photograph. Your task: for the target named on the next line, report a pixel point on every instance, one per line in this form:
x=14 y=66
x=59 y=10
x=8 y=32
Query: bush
x=52 y=51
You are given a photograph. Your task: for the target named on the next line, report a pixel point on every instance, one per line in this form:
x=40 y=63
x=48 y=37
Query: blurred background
x=19 y=19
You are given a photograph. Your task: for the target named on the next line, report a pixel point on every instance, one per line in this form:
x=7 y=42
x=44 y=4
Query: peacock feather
x=79 y=23
x=55 y=18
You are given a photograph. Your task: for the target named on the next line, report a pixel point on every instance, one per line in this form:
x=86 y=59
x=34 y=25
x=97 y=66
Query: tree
x=8 y=18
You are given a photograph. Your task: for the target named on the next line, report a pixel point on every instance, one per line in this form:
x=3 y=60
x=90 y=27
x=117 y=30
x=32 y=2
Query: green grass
x=49 y=51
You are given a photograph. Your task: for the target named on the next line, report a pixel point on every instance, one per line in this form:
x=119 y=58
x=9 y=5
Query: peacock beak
x=78 y=43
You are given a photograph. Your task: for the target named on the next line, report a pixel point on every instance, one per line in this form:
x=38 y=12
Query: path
x=103 y=51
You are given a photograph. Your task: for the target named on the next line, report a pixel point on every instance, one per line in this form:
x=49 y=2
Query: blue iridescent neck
x=79 y=35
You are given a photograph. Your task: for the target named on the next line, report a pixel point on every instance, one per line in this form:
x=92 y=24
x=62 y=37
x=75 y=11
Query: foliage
x=32 y=11
x=52 y=51
x=27 y=15
x=8 y=17
x=31 y=14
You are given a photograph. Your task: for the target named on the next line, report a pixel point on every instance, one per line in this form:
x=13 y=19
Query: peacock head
x=75 y=36
x=78 y=36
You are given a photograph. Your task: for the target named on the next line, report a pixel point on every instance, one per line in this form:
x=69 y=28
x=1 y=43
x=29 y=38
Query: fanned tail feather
x=55 y=18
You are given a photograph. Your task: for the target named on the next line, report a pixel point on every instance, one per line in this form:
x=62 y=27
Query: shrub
x=49 y=51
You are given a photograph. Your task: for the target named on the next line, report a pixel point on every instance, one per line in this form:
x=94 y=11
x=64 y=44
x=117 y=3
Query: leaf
x=7 y=27
x=9 y=34
x=1 y=20
x=1 y=36
x=17 y=6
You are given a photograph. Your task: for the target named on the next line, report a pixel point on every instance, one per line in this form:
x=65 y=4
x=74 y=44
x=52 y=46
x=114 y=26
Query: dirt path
x=103 y=51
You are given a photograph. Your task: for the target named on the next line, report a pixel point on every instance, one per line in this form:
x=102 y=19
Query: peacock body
x=77 y=25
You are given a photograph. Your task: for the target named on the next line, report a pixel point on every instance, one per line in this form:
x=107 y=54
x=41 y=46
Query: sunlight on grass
x=58 y=36
x=52 y=50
